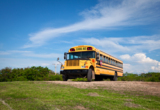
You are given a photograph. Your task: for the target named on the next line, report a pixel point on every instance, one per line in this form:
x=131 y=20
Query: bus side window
x=111 y=61
x=106 y=59
x=100 y=57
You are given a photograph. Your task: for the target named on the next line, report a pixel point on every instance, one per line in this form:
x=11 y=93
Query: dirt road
x=147 y=88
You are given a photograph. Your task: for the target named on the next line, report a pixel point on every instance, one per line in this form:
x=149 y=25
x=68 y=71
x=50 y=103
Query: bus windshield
x=81 y=55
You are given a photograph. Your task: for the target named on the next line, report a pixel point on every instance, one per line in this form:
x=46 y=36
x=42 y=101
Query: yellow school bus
x=87 y=61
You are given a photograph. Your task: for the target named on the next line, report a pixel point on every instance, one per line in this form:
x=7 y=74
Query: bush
x=56 y=77
x=151 y=76
x=106 y=79
x=80 y=79
x=6 y=74
x=31 y=74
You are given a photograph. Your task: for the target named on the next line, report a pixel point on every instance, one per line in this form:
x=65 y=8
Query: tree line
x=28 y=74
x=150 y=77
x=44 y=74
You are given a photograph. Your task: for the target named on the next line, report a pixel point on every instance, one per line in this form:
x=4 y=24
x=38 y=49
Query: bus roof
x=82 y=48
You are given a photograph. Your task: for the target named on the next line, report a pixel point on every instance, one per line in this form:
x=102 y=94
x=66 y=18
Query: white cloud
x=4 y=53
x=22 y=63
x=125 y=57
x=31 y=54
x=51 y=55
x=111 y=44
x=139 y=63
x=12 y=52
x=105 y=15
x=126 y=44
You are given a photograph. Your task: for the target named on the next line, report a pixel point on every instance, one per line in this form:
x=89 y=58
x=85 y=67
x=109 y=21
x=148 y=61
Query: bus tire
x=89 y=75
x=115 y=77
x=65 y=78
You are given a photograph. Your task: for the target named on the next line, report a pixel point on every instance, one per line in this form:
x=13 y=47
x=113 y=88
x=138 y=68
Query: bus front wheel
x=89 y=75
x=65 y=78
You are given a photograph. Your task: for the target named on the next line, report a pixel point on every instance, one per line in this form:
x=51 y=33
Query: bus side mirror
x=97 y=57
x=65 y=56
x=57 y=58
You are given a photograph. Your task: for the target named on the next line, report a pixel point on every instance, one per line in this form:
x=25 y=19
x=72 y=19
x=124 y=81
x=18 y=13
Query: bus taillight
x=72 y=49
x=89 y=48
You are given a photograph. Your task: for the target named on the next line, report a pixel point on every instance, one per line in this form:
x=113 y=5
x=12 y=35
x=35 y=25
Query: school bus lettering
x=82 y=48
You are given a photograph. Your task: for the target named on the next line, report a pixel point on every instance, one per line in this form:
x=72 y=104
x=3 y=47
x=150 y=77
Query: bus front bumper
x=74 y=72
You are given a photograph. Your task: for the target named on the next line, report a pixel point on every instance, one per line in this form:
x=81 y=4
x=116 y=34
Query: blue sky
x=36 y=32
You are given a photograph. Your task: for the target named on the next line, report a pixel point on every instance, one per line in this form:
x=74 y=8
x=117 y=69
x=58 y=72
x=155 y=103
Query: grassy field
x=39 y=95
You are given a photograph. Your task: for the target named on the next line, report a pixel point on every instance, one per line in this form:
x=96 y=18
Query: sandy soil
x=147 y=88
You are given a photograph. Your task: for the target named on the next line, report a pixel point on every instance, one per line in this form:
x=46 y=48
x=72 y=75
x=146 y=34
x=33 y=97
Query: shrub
x=20 y=74
x=151 y=76
x=80 y=79
x=106 y=79
x=56 y=77
x=6 y=74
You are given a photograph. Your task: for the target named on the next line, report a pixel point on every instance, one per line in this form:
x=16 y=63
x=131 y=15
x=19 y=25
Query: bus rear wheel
x=65 y=77
x=115 y=77
x=89 y=75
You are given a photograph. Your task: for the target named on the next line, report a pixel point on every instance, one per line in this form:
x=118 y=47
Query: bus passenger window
x=106 y=60
x=100 y=57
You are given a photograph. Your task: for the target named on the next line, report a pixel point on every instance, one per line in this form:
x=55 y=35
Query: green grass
x=36 y=95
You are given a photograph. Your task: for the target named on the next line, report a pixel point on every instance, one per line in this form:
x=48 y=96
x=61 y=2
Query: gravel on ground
x=146 y=88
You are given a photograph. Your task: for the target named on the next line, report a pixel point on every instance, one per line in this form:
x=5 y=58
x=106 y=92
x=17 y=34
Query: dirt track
x=147 y=88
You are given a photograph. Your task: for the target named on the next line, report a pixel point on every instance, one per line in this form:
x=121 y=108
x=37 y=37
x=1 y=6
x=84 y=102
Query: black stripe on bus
x=109 y=64
x=107 y=69
x=110 y=67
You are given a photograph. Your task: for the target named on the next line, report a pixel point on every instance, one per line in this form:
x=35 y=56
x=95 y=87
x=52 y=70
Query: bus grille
x=73 y=63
